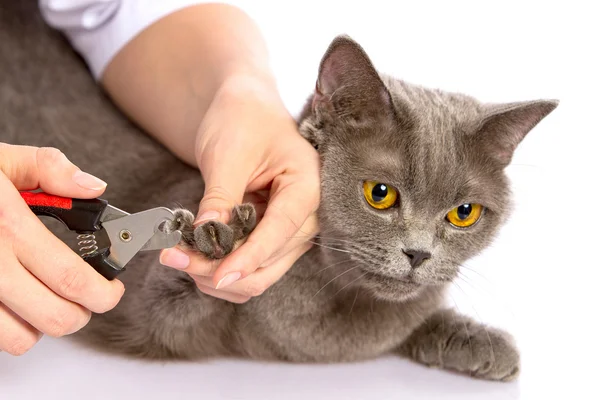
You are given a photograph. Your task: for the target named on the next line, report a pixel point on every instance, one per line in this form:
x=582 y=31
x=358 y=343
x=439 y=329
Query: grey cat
x=413 y=185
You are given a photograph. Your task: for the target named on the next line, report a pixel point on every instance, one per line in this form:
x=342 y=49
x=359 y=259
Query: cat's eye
x=465 y=215
x=379 y=195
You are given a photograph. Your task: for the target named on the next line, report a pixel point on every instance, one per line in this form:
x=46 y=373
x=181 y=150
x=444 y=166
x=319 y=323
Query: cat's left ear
x=504 y=126
x=349 y=86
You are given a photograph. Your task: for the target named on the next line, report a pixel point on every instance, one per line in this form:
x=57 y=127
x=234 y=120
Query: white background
x=538 y=280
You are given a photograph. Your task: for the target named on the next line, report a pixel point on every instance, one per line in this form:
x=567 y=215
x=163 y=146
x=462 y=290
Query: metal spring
x=88 y=244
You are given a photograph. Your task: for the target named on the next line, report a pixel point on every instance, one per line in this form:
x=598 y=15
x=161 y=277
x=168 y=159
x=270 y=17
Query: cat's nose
x=416 y=257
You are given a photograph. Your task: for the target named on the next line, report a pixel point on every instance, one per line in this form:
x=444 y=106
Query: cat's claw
x=243 y=218
x=214 y=239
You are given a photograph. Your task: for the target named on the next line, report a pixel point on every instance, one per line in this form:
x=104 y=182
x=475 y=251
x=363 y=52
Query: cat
x=412 y=186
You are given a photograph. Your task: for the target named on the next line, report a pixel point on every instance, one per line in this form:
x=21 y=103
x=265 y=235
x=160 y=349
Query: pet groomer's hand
x=45 y=288
x=198 y=80
x=248 y=143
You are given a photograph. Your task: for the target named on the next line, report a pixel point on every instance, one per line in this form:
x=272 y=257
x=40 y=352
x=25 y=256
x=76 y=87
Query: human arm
x=198 y=80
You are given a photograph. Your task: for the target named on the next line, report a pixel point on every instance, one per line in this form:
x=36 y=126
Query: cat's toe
x=492 y=355
x=183 y=221
x=506 y=362
x=214 y=239
x=243 y=218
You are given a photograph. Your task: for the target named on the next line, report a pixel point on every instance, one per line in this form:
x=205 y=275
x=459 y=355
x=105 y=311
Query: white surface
x=538 y=280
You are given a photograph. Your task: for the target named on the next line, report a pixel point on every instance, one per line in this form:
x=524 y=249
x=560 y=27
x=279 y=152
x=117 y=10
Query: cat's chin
x=391 y=289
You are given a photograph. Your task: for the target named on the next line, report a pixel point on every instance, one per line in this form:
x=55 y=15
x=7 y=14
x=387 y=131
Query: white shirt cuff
x=98 y=29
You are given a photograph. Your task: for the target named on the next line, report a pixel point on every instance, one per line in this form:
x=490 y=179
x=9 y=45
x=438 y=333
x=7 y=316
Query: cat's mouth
x=391 y=287
x=404 y=280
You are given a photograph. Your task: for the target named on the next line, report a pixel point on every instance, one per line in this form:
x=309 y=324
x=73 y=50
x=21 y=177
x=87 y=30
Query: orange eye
x=379 y=195
x=465 y=215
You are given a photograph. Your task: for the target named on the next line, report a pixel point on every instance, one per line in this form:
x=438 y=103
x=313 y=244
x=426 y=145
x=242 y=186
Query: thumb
x=29 y=167
x=222 y=191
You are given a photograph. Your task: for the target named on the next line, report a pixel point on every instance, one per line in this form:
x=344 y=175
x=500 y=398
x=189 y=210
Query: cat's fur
x=438 y=149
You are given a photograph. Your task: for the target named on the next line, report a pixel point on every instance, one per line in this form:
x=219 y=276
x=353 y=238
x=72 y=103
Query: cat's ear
x=348 y=84
x=504 y=126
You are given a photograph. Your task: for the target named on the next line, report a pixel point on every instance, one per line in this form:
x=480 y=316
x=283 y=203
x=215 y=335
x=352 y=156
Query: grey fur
x=354 y=296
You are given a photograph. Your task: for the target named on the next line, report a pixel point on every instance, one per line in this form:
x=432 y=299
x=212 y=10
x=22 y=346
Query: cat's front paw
x=456 y=342
x=215 y=240
x=484 y=353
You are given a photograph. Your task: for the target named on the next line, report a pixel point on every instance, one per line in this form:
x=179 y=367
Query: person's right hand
x=45 y=287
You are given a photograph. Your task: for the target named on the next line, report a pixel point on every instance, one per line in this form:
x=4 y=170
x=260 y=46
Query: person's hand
x=45 y=287
x=248 y=144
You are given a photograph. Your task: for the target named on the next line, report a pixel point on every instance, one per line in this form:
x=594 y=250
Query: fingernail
x=228 y=279
x=207 y=216
x=174 y=258
x=88 y=181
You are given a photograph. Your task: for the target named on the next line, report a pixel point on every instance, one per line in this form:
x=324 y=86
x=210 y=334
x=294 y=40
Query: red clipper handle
x=79 y=215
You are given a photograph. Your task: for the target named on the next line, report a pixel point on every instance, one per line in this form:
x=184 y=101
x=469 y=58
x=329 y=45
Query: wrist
x=241 y=94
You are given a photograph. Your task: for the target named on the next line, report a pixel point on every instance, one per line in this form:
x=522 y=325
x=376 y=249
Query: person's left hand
x=248 y=144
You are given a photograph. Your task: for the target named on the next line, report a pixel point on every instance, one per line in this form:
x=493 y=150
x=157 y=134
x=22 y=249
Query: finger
x=224 y=188
x=37 y=304
x=231 y=297
x=259 y=281
x=305 y=234
x=288 y=209
x=51 y=260
x=16 y=336
x=188 y=261
x=49 y=169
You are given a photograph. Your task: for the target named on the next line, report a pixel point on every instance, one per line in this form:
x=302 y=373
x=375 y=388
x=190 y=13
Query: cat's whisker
x=465 y=266
x=354 y=302
x=414 y=311
x=348 y=284
x=330 y=266
x=522 y=165
x=329 y=247
x=334 y=238
x=489 y=291
x=336 y=277
x=466 y=330
x=324 y=238
x=467 y=279
x=482 y=323
x=335 y=241
x=443 y=322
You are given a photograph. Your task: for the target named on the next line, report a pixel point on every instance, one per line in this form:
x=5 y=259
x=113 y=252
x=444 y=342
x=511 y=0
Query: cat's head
x=413 y=180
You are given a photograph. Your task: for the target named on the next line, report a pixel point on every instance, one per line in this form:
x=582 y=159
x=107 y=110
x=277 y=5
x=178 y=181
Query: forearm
x=167 y=76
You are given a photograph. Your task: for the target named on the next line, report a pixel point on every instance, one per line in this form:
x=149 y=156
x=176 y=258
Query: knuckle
x=8 y=224
x=4 y=155
x=254 y=289
x=49 y=155
x=21 y=345
x=242 y=300
x=259 y=253
x=71 y=283
x=110 y=302
x=63 y=322
x=217 y=194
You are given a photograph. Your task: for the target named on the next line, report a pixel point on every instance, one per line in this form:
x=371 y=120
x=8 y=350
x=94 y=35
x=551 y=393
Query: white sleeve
x=98 y=29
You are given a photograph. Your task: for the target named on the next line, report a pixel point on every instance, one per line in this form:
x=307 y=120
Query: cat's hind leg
x=456 y=342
